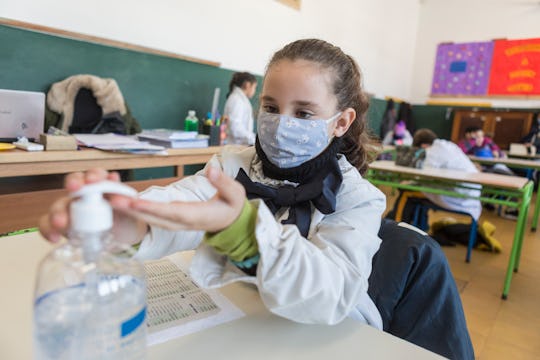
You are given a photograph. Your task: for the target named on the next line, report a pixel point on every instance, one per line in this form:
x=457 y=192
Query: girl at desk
x=292 y=215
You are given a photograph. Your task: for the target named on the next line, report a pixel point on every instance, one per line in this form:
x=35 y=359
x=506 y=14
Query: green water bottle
x=191 y=123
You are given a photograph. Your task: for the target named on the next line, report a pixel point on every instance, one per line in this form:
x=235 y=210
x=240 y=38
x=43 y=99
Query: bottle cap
x=91 y=212
x=191 y=113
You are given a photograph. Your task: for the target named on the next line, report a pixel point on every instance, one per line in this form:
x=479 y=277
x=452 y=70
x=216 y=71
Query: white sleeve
x=160 y=242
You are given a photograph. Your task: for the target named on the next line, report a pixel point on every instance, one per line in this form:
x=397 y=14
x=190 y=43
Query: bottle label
x=132 y=324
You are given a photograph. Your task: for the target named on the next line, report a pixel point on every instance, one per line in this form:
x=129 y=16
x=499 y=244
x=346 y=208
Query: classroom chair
x=412 y=286
x=420 y=220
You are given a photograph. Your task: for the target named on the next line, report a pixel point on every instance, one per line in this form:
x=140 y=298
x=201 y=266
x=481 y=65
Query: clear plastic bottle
x=90 y=295
x=191 y=123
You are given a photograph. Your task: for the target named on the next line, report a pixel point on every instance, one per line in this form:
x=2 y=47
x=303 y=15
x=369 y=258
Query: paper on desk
x=115 y=142
x=177 y=306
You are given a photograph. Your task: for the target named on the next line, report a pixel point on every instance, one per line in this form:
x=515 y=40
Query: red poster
x=515 y=68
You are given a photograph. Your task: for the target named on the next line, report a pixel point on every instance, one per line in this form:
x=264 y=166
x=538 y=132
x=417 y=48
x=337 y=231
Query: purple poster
x=462 y=69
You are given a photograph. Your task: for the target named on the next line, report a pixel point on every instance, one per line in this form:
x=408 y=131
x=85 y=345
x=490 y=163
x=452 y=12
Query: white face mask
x=288 y=141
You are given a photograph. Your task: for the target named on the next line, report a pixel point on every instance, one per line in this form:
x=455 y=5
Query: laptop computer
x=22 y=113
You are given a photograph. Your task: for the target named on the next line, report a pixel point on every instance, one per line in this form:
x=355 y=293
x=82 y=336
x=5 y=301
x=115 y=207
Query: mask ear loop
x=329 y=121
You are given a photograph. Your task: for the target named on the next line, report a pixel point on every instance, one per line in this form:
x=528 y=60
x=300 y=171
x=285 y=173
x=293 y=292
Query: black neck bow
x=321 y=192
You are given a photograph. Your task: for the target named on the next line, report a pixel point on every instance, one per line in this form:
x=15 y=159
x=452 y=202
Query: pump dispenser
x=90 y=295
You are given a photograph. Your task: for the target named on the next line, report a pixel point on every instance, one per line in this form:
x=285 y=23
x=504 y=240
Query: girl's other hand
x=213 y=215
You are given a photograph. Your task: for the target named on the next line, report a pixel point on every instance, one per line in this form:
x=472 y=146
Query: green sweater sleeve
x=238 y=240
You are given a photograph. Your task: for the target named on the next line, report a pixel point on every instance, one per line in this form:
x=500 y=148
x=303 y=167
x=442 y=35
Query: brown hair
x=424 y=136
x=239 y=79
x=347 y=87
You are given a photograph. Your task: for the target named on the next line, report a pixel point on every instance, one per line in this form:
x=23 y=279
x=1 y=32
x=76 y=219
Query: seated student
x=467 y=143
x=294 y=218
x=440 y=154
x=533 y=137
x=478 y=144
x=399 y=135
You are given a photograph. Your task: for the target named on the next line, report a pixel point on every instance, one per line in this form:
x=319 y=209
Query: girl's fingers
x=56 y=223
x=227 y=188
x=76 y=180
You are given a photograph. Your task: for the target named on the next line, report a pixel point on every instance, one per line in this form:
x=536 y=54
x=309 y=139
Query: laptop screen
x=22 y=113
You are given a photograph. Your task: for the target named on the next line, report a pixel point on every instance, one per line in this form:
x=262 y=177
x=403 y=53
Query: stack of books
x=174 y=139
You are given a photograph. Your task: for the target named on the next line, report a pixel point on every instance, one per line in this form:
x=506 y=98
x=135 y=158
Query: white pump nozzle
x=92 y=213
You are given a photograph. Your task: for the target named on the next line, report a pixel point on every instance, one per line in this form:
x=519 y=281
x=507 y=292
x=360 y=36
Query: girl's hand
x=56 y=223
x=213 y=215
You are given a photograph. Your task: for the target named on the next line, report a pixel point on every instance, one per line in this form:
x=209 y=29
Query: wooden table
x=26 y=204
x=497 y=189
x=23 y=163
x=259 y=335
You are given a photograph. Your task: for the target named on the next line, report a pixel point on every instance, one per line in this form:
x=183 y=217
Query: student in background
x=405 y=115
x=533 y=137
x=467 y=143
x=389 y=119
x=398 y=136
x=482 y=145
x=309 y=231
x=238 y=109
x=440 y=154
x=477 y=144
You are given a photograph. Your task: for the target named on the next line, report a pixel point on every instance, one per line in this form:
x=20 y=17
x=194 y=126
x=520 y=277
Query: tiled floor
x=500 y=329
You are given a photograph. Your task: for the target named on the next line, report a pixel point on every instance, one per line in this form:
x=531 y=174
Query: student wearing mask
x=293 y=214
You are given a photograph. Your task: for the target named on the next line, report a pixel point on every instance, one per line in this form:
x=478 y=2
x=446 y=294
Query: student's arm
x=322 y=279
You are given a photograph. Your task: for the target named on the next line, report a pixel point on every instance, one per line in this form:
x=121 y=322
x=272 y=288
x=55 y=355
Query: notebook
x=22 y=113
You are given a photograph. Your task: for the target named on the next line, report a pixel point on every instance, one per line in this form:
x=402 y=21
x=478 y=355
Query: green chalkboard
x=159 y=90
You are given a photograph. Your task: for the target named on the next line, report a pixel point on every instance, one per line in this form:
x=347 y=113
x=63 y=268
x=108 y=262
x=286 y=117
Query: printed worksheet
x=177 y=305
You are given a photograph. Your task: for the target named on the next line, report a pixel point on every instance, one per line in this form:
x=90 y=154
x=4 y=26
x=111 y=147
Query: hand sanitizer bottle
x=90 y=296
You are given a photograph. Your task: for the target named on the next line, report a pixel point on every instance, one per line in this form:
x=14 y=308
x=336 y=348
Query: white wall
x=467 y=21
x=243 y=34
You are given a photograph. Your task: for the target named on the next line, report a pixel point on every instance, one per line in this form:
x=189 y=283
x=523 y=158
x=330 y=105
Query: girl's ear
x=344 y=122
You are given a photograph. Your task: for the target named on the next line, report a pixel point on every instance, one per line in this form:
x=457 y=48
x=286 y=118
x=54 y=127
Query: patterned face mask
x=288 y=141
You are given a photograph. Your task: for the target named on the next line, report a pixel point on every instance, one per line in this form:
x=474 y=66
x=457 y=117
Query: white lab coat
x=321 y=279
x=240 y=112
x=445 y=154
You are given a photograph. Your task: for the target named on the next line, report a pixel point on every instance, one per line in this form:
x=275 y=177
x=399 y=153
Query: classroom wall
x=467 y=21
x=242 y=34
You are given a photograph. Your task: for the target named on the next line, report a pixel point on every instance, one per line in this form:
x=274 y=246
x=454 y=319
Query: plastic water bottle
x=90 y=295
x=191 y=123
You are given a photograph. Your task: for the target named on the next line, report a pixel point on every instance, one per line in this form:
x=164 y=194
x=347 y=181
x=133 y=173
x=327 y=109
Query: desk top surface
x=259 y=335
x=518 y=162
x=21 y=156
x=486 y=179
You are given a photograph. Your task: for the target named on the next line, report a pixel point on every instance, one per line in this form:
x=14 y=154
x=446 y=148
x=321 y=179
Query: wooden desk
x=495 y=189
x=524 y=163
x=23 y=163
x=259 y=335
x=27 y=205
